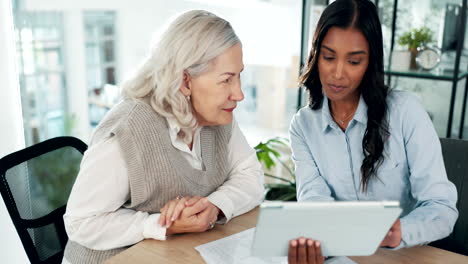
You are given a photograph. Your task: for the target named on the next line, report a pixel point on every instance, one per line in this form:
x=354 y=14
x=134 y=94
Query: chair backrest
x=455 y=154
x=35 y=184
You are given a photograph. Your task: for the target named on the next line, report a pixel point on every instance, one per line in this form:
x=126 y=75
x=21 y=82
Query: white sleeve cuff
x=224 y=204
x=152 y=229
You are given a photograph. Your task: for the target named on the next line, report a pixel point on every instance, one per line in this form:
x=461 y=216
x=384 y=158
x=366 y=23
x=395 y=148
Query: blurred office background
x=62 y=62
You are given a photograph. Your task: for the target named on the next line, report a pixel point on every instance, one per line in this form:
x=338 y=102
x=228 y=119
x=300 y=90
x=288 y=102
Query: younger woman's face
x=343 y=61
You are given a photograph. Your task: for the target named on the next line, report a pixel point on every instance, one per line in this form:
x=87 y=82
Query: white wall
x=11 y=128
x=266 y=30
x=269 y=38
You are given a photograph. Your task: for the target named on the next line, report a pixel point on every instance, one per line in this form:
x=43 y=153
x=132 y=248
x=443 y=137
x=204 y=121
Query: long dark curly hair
x=361 y=15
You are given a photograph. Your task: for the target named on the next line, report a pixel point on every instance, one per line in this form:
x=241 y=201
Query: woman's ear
x=186 y=85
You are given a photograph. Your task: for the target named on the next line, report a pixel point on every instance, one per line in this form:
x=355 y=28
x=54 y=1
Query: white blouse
x=96 y=219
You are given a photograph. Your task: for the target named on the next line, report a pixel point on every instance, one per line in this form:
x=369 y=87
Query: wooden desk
x=180 y=248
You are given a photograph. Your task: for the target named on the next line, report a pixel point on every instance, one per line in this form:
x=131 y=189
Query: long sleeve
x=435 y=213
x=95 y=217
x=244 y=188
x=310 y=184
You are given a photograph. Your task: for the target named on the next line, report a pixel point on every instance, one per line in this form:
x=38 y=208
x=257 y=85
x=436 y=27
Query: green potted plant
x=270 y=155
x=414 y=39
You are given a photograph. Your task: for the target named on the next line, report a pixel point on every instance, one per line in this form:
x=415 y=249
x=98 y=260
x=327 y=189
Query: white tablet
x=343 y=228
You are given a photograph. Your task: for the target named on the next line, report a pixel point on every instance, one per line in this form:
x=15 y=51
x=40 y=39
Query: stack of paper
x=235 y=249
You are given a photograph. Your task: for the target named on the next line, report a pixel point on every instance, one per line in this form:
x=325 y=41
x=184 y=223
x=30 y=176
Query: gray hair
x=190 y=43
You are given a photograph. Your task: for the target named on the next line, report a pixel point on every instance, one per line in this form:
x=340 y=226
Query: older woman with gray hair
x=169 y=158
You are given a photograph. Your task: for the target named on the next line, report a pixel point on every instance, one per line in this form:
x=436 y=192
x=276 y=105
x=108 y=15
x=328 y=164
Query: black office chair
x=35 y=184
x=455 y=154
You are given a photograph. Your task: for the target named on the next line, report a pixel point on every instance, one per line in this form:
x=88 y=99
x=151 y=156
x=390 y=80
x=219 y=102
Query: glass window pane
x=108 y=50
x=48 y=59
x=42 y=81
x=92 y=54
x=46 y=34
x=54 y=87
x=91 y=32
x=94 y=77
x=100 y=58
x=108 y=30
x=110 y=75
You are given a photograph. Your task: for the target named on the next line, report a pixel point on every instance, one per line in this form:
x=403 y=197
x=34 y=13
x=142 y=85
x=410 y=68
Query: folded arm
x=95 y=217
x=244 y=189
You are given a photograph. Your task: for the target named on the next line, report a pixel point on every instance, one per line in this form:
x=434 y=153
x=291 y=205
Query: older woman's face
x=343 y=61
x=215 y=93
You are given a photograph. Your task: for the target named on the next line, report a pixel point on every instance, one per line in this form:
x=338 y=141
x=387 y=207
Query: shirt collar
x=327 y=119
x=174 y=129
x=361 y=112
x=174 y=126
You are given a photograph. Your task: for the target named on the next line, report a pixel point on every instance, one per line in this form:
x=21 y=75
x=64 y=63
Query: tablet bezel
x=357 y=230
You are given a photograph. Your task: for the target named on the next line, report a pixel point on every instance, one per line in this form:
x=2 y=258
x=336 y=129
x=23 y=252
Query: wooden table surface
x=181 y=248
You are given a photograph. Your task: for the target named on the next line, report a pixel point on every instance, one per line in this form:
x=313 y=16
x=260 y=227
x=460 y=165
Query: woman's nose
x=339 y=68
x=236 y=93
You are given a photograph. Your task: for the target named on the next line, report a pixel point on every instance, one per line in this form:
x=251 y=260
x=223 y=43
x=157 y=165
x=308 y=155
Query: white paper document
x=235 y=249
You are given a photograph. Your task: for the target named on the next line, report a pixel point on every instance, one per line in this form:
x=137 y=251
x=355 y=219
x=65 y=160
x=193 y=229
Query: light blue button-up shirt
x=328 y=163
